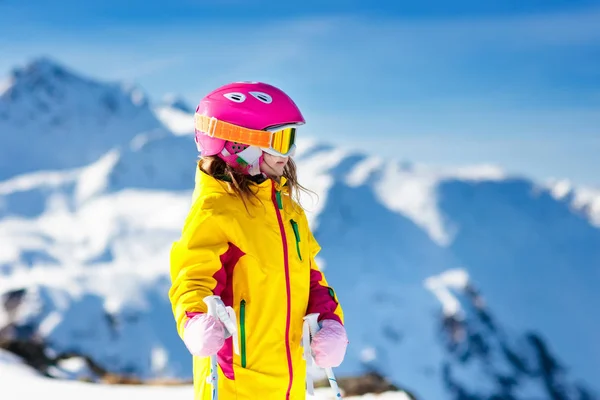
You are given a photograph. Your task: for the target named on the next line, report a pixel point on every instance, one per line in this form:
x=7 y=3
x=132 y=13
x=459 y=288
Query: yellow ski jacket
x=261 y=261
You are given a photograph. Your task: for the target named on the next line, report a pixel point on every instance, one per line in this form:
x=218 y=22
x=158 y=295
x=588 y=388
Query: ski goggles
x=279 y=141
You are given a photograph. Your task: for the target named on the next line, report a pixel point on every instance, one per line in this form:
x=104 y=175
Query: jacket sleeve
x=196 y=264
x=322 y=298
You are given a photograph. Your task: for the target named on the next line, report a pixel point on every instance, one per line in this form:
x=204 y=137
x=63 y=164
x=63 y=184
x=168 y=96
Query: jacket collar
x=207 y=184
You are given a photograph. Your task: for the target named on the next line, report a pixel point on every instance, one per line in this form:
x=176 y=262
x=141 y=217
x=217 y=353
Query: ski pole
x=218 y=310
x=310 y=388
x=313 y=325
x=213 y=379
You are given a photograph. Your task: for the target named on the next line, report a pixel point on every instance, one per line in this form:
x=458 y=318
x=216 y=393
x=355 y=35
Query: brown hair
x=242 y=184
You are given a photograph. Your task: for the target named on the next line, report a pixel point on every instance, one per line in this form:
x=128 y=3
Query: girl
x=247 y=240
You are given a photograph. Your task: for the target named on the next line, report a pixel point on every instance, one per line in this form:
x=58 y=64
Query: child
x=248 y=241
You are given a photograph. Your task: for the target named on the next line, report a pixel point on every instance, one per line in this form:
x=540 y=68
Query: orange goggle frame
x=278 y=141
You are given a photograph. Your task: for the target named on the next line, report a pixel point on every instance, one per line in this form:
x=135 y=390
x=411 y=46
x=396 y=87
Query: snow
x=50 y=323
x=476 y=173
x=5 y=85
x=411 y=190
x=412 y=193
x=561 y=189
x=176 y=101
x=176 y=114
x=588 y=200
x=315 y=172
x=11 y=364
x=138 y=97
x=93 y=179
x=18 y=382
x=178 y=121
x=363 y=171
x=34 y=180
x=441 y=284
x=582 y=199
x=368 y=355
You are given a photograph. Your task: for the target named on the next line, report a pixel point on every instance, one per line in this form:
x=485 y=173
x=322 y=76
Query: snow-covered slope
x=90 y=246
x=18 y=382
x=174 y=112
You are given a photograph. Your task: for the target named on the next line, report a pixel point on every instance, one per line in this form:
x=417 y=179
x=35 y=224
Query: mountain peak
x=45 y=86
x=42 y=71
x=44 y=66
x=81 y=118
x=44 y=80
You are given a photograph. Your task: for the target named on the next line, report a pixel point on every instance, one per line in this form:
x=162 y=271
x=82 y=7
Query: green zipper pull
x=243 y=331
x=297 y=235
x=278 y=198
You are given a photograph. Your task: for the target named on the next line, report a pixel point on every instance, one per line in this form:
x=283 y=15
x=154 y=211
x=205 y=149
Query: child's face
x=273 y=165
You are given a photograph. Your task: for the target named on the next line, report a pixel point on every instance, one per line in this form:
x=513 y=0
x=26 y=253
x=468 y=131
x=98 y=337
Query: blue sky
x=512 y=83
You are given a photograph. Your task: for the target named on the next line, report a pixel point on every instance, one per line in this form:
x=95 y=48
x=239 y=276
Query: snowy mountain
x=498 y=364
x=411 y=250
x=53 y=118
x=535 y=261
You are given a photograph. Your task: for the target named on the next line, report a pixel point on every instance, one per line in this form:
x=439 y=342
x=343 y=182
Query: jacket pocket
x=297 y=235
x=243 y=332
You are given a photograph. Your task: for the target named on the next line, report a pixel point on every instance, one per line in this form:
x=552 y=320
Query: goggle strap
x=233 y=133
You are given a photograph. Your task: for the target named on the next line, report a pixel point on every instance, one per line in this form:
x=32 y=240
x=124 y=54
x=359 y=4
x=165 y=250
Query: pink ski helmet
x=251 y=105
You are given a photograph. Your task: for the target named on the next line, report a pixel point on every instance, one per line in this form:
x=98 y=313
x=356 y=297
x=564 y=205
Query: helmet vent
x=265 y=98
x=236 y=97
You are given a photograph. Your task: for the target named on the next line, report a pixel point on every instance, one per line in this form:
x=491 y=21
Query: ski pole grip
x=211 y=303
x=313 y=323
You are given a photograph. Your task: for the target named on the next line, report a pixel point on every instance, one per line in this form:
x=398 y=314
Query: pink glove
x=329 y=344
x=203 y=335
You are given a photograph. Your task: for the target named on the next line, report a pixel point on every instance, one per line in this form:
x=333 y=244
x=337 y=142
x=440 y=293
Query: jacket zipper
x=297 y=234
x=276 y=197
